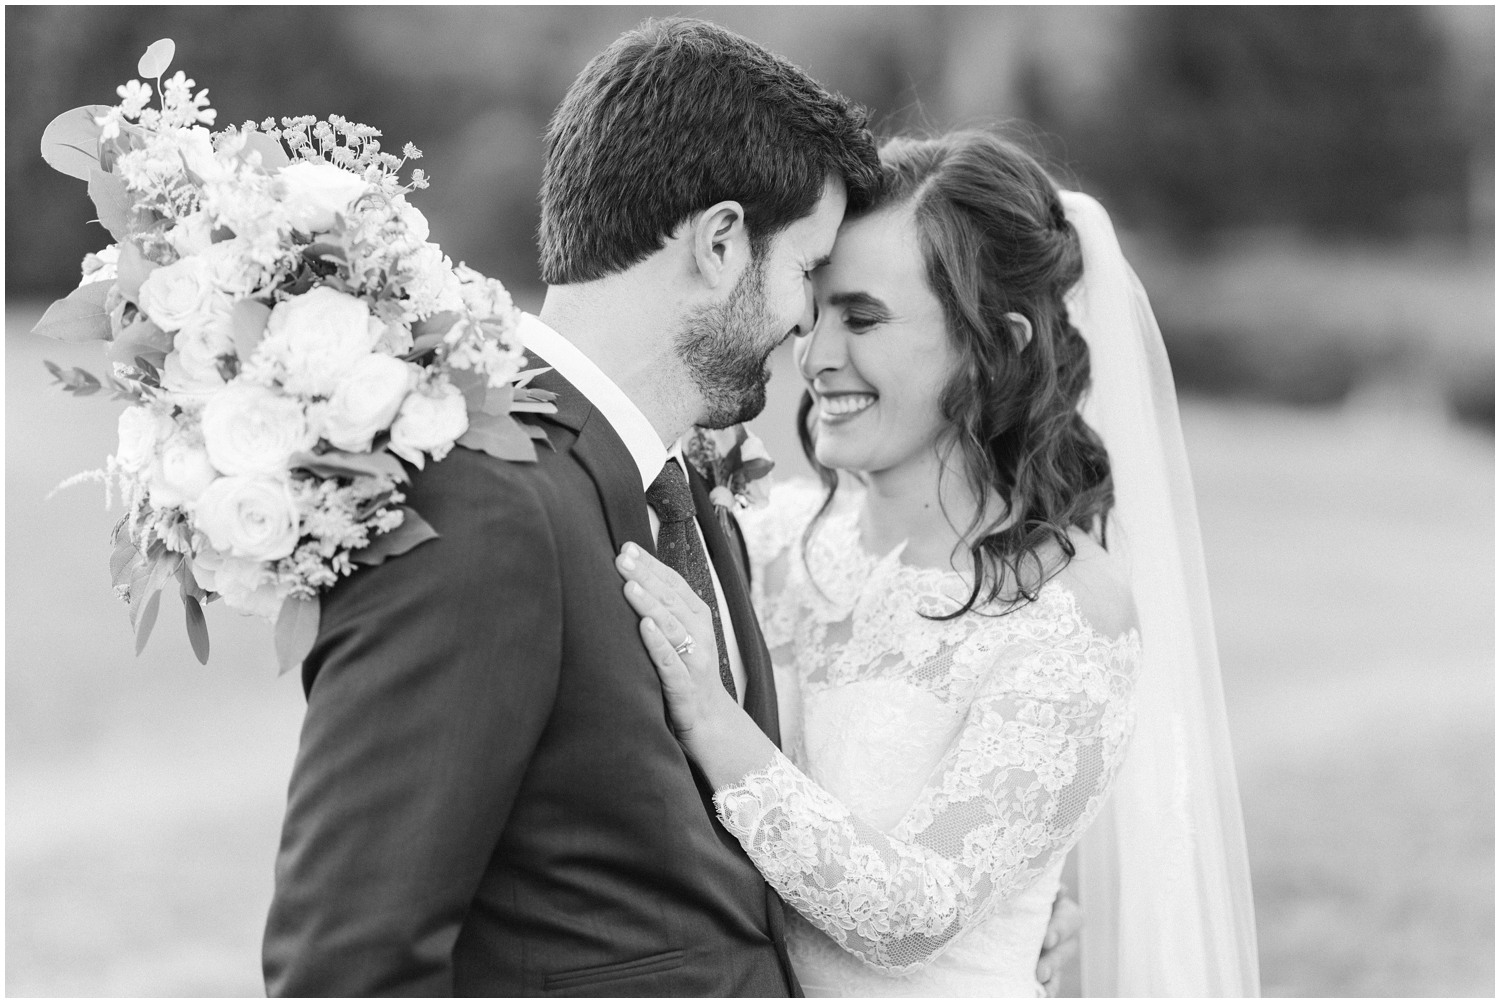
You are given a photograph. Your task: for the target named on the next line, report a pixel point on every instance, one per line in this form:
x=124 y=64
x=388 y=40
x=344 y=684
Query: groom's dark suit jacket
x=488 y=799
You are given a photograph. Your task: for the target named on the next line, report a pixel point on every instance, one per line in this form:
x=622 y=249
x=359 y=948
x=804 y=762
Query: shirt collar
x=633 y=427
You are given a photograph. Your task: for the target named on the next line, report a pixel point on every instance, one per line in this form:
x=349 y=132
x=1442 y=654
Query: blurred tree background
x=1311 y=189
x=1308 y=196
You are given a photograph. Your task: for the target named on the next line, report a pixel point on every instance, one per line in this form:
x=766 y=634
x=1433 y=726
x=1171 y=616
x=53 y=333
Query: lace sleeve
x=1022 y=779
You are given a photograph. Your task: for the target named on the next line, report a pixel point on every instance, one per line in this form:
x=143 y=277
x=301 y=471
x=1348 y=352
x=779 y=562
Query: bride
x=991 y=632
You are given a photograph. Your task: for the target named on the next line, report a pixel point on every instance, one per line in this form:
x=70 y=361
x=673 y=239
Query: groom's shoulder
x=469 y=488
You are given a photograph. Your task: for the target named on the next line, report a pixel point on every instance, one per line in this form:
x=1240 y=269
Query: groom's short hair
x=675 y=116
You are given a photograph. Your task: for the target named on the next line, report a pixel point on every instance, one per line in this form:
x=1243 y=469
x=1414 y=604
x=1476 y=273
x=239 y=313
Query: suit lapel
x=760 y=692
x=608 y=463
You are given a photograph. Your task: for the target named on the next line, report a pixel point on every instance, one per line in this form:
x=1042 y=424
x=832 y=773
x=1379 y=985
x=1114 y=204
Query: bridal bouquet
x=283 y=331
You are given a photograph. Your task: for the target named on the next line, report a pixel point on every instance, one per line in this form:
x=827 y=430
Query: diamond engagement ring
x=685 y=647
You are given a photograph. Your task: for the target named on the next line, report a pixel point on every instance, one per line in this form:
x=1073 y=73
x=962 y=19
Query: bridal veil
x=1163 y=875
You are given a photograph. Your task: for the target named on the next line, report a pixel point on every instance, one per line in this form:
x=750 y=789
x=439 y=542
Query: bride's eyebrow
x=857 y=299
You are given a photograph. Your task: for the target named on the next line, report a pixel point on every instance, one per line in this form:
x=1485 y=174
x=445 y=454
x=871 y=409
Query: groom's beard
x=726 y=349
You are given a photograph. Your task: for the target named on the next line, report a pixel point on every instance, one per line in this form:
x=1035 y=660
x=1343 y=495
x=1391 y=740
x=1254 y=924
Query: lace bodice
x=938 y=771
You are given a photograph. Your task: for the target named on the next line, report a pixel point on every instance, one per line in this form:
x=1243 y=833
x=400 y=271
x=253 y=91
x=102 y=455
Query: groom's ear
x=721 y=244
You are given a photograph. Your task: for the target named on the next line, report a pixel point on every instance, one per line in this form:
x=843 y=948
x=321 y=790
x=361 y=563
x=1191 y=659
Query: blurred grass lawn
x=1350 y=554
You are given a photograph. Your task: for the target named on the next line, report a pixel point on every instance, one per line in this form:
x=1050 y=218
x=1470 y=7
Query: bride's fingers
x=668 y=664
x=667 y=584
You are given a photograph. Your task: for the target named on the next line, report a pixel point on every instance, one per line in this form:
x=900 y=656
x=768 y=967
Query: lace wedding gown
x=939 y=771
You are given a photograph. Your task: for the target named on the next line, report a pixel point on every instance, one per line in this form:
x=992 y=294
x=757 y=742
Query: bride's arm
x=1015 y=790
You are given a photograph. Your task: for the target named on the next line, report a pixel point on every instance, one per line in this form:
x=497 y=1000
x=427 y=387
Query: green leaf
x=163 y=566
x=756 y=469
x=438 y=324
x=499 y=436
x=78 y=317
x=142 y=338
x=474 y=386
x=296 y=630
x=157 y=58
x=498 y=400
x=272 y=156
x=124 y=562
x=147 y=621
x=413 y=530
x=74 y=381
x=70 y=143
x=132 y=270
x=113 y=203
x=197 y=626
x=336 y=463
x=248 y=325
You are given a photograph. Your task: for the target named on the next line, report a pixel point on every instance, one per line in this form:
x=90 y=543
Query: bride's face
x=879 y=355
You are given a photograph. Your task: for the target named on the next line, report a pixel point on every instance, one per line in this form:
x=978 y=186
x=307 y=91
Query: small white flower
x=101 y=266
x=250 y=517
x=430 y=421
x=246 y=586
x=133 y=97
x=249 y=429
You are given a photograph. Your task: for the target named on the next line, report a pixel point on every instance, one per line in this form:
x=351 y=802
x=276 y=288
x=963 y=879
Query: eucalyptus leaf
x=248 y=326
x=132 y=270
x=147 y=621
x=498 y=400
x=412 y=531
x=499 y=436
x=197 y=626
x=70 y=143
x=157 y=58
x=473 y=385
x=296 y=630
x=439 y=324
x=78 y=317
x=124 y=562
x=272 y=156
x=113 y=203
x=336 y=463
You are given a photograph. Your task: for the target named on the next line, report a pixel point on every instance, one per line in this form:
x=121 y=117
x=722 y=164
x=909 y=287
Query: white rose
x=429 y=422
x=246 y=586
x=180 y=474
x=183 y=294
x=140 y=430
x=248 y=429
x=366 y=402
x=316 y=192
x=250 y=517
x=317 y=338
x=193 y=364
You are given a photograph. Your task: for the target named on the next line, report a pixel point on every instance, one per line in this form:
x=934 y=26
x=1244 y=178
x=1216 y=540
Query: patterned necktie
x=681 y=549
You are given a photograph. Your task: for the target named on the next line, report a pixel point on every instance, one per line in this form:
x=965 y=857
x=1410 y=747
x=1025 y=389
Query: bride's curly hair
x=995 y=241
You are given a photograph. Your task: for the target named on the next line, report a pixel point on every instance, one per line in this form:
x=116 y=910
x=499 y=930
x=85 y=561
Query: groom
x=488 y=798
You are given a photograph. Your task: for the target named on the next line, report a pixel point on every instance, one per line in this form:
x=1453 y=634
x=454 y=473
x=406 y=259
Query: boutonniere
x=735 y=464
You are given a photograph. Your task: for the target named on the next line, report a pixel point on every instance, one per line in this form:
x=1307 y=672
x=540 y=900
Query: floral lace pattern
x=1025 y=715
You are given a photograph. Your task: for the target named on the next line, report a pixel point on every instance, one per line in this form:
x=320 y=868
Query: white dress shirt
x=641 y=440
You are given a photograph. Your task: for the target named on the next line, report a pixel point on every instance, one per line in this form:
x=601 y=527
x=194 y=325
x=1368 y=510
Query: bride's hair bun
x=996 y=240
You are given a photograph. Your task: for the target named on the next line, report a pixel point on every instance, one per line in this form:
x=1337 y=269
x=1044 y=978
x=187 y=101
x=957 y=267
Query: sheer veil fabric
x=1163 y=873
